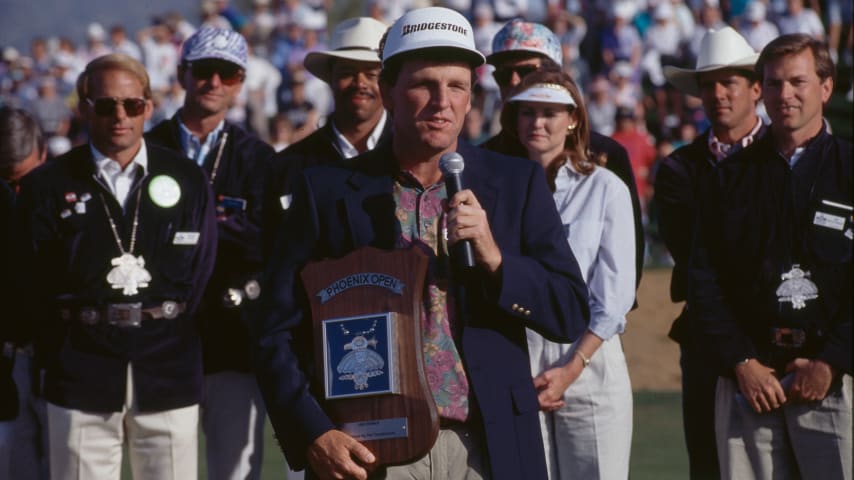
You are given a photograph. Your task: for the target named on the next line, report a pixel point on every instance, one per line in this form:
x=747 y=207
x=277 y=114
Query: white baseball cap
x=545 y=93
x=355 y=39
x=432 y=28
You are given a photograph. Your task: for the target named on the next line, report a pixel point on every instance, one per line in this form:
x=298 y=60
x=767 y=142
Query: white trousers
x=591 y=436
x=796 y=441
x=161 y=445
x=233 y=417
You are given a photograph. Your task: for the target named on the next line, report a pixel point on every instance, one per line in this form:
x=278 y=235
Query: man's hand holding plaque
x=338 y=455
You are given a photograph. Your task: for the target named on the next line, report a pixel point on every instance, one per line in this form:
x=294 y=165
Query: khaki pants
x=798 y=440
x=458 y=454
x=233 y=416
x=161 y=445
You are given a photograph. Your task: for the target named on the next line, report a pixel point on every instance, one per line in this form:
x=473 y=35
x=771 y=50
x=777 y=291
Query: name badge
x=829 y=221
x=186 y=238
x=285 y=200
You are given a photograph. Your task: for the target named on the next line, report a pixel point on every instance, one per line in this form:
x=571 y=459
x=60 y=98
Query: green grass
x=658 y=446
x=838 y=112
x=658 y=449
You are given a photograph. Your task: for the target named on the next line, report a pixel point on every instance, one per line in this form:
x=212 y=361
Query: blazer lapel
x=369 y=203
x=477 y=178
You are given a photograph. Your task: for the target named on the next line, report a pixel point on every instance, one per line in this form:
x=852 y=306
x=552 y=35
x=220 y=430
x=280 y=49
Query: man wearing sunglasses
x=212 y=70
x=521 y=48
x=117 y=240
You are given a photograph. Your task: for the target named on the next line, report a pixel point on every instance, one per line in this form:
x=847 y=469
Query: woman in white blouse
x=584 y=390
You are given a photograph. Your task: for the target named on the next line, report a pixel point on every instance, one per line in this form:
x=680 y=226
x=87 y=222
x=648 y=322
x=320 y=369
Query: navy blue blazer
x=65 y=253
x=240 y=175
x=316 y=149
x=338 y=208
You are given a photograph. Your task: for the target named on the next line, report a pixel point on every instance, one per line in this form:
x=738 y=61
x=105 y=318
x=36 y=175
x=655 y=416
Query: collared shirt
x=117 y=179
x=796 y=155
x=348 y=150
x=195 y=148
x=799 y=151
x=421 y=219
x=722 y=150
x=596 y=211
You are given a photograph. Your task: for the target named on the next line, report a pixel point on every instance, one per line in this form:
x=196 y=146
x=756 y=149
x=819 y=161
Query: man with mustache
x=212 y=70
x=725 y=81
x=771 y=280
x=351 y=67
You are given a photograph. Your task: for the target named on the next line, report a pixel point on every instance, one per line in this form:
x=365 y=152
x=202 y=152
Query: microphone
x=451 y=164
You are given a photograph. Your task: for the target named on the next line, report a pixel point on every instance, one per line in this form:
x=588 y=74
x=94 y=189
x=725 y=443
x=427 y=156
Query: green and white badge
x=164 y=191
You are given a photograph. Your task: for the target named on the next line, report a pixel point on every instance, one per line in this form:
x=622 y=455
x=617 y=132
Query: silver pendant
x=129 y=274
x=796 y=288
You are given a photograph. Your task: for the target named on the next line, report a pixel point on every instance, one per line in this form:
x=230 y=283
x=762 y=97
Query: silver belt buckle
x=124 y=314
x=789 y=337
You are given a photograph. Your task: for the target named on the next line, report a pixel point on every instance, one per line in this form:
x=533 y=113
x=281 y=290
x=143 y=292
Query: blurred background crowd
x=614 y=49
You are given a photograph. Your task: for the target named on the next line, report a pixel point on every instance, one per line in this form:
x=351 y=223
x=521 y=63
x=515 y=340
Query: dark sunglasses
x=106 y=106
x=504 y=74
x=229 y=74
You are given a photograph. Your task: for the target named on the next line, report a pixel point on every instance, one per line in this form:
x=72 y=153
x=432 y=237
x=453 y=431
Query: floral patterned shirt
x=421 y=219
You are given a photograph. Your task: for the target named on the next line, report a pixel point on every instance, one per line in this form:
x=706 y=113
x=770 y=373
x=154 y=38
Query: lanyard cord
x=218 y=157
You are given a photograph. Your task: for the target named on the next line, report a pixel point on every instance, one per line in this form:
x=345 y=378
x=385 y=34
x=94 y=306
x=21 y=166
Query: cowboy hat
x=719 y=49
x=355 y=39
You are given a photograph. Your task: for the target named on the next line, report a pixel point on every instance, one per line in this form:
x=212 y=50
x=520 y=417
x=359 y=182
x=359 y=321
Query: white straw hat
x=720 y=49
x=432 y=28
x=355 y=39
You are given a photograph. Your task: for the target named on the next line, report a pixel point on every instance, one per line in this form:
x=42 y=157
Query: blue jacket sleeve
x=542 y=284
x=281 y=334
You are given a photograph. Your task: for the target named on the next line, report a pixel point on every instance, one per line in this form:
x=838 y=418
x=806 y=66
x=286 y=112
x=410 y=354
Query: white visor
x=545 y=93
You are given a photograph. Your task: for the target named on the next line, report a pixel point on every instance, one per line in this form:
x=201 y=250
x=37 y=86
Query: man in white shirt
x=117 y=242
x=799 y=19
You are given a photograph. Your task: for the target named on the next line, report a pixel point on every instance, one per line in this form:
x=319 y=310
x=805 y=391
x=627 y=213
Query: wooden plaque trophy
x=366 y=315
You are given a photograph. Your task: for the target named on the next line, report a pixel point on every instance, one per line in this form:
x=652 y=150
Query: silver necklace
x=128 y=272
x=218 y=157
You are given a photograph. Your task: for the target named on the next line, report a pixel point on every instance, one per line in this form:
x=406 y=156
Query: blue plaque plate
x=359 y=356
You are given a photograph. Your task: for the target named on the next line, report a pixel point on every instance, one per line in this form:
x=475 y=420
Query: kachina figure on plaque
x=359 y=356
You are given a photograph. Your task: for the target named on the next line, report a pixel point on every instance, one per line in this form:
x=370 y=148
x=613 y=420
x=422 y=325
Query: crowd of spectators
x=614 y=50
